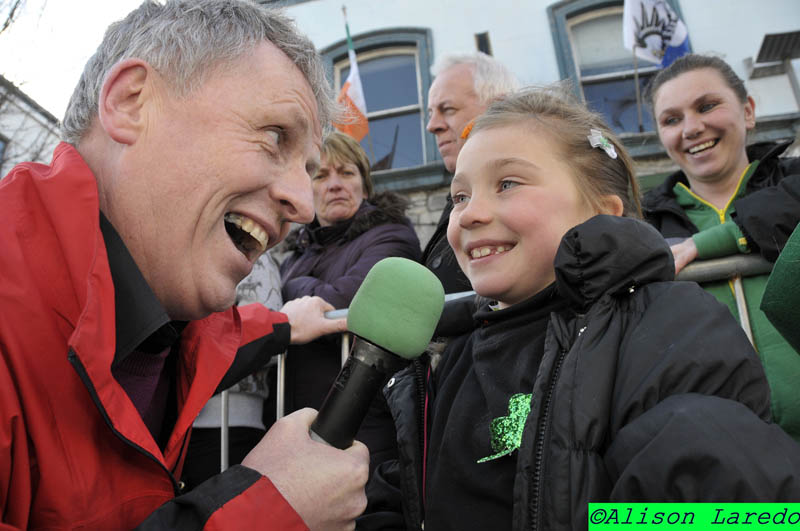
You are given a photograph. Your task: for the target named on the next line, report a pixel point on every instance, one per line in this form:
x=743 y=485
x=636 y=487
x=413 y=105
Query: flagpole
x=350 y=45
x=636 y=82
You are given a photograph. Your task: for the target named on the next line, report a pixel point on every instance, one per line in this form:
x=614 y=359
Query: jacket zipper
x=84 y=376
x=421 y=384
x=540 y=432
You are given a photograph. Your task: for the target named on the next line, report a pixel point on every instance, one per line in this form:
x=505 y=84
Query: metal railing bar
x=224 y=441
x=744 y=265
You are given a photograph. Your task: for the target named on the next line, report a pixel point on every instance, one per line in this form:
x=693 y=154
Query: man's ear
x=122 y=99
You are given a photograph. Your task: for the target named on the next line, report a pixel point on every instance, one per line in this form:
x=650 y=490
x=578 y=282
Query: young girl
x=728 y=198
x=590 y=375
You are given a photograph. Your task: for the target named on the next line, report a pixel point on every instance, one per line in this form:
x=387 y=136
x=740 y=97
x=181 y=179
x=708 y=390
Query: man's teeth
x=480 y=252
x=701 y=147
x=252 y=228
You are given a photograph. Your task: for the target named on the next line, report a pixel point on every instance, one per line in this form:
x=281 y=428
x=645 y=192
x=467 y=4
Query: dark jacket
x=331 y=262
x=439 y=257
x=767 y=215
x=647 y=390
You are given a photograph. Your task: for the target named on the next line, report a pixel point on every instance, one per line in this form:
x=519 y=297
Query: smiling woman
x=353 y=229
x=728 y=198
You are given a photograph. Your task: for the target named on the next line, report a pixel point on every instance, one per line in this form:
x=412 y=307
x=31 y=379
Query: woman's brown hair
x=340 y=148
x=690 y=62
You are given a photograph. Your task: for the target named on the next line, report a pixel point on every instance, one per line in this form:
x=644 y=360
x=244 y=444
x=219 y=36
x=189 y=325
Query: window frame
x=571 y=22
x=431 y=173
x=404 y=110
x=565 y=14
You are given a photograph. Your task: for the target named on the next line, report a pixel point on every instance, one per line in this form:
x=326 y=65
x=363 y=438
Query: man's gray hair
x=492 y=79
x=186 y=39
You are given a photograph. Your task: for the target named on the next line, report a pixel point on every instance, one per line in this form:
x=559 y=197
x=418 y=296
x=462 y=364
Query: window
x=588 y=39
x=394 y=66
x=392 y=92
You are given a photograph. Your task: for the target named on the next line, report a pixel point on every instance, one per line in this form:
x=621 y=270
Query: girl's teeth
x=486 y=251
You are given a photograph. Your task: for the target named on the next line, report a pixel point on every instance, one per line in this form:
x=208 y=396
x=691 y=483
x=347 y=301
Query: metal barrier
x=732 y=268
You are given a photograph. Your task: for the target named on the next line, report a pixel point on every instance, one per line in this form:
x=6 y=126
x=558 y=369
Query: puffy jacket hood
x=588 y=262
x=386 y=207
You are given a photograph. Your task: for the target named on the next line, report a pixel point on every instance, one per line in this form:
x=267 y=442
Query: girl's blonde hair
x=568 y=123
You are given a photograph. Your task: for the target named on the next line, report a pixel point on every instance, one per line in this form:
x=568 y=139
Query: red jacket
x=74 y=451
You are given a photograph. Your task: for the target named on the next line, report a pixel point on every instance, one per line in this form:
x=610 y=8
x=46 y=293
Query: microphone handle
x=366 y=370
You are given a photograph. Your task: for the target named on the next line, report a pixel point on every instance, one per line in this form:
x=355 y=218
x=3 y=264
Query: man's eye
x=669 y=121
x=274 y=136
x=705 y=107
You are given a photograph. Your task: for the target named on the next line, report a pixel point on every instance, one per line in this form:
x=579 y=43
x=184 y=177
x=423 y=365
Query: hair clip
x=596 y=139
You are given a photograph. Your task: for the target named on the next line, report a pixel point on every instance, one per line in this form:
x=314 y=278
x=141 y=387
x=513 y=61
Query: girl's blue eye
x=459 y=198
x=507 y=185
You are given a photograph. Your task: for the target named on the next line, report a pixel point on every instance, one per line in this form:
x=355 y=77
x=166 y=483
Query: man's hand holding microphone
x=312 y=458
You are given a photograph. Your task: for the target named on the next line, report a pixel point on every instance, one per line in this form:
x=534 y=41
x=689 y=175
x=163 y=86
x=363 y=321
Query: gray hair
x=184 y=40
x=492 y=79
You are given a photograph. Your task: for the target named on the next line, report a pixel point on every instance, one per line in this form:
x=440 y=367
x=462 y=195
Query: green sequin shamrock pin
x=506 y=431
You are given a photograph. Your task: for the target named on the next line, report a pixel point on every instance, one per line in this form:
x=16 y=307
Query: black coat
x=331 y=262
x=648 y=390
x=767 y=214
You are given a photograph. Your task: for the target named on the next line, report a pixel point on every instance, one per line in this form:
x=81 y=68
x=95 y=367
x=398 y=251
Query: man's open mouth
x=248 y=236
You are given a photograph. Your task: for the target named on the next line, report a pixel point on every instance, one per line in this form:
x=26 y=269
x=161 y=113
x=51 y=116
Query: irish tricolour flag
x=352 y=98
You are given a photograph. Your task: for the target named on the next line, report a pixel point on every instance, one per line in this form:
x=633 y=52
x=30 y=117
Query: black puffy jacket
x=648 y=390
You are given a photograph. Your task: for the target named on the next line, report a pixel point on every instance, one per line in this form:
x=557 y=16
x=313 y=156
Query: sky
x=44 y=51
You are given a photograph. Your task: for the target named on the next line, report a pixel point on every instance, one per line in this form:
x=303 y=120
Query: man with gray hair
x=463 y=87
x=189 y=145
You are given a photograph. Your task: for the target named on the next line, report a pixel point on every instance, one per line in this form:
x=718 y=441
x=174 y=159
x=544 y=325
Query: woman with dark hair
x=354 y=228
x=727 y=198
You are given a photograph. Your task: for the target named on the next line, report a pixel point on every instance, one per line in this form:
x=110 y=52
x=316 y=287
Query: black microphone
x=393 y=316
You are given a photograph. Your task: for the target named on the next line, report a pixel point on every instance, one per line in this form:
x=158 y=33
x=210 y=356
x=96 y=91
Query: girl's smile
x=514 y=198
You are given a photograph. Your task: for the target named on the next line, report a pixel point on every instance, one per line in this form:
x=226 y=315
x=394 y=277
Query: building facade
x=27 y=131
x=541 y=41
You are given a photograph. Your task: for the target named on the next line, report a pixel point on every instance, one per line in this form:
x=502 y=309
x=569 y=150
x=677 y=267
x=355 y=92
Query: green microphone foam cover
x=397 y=307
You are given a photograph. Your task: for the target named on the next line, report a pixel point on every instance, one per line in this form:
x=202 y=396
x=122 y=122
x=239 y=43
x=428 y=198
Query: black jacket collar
x=141 y=321
x=610 y=255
